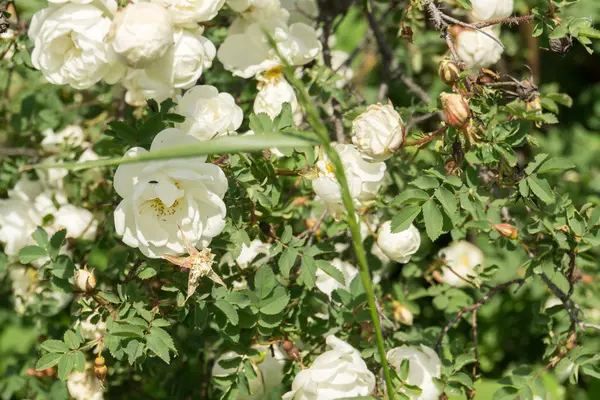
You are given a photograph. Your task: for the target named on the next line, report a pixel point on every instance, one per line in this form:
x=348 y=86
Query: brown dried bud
x=402 y=314
x=448 y=71
x=456 y=110
x=507 y=230
x=85 y=280
x=562 y=45
x=287 y=345
x=101 y=372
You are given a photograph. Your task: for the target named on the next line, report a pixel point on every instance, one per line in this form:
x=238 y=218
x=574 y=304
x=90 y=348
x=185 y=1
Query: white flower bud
x=377 y=132
x=141 y=33
x=398 y=246
x=85 y=280
x=478 y=50
x=424 y=365
x=484 y=10
x=338 y=373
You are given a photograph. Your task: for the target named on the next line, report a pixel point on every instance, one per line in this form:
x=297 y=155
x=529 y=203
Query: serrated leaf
x=308 y=271
x=55 y=346
x=41 y=237
x=447 y=200
x=264 y=281
x=332 y=271
x=56 y=242
x=410 y=195
x=65 y=365
x=110 y=297
x=555 y=164
x=164 y=336
x=72 y=340
x=146 y=273
x=404 y=218
x=48 y=361
x=433 y=220
x=158 y=347
x=286 y=236
x=537 y=161
x=63 y=267
x=79 y=361
x=229 y=311
x=277 y=303
x=31 y=253
x=506 y=393
x=541 y=189
x=287 y=261
x=426 y=182
x=134 y=350
x=463 y=379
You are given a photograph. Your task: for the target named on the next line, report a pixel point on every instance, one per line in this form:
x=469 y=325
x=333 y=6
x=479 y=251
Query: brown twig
x=428 y=137
x=475 y=341
x=473 y=307
x=507 y=21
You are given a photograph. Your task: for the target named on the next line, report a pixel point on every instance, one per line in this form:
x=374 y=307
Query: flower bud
x=378 y=132
x=398 y=246
x=101 y=372
x=99 y=361
x=449 y=72
x=402 y=313
x=456 y=109
x=507 y=230
x=85 y=280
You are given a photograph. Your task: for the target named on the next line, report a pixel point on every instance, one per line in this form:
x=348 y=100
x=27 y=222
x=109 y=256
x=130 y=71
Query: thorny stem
x=321 y=130
x=507 y=21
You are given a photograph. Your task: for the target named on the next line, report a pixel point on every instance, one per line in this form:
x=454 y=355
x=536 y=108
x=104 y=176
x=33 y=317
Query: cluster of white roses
x=156 y=48
x=475 y=48
x=341 y=373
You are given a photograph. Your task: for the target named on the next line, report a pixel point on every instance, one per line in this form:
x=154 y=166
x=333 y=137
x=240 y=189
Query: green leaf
x=308 y=271
x=79 y=361
x=411 y=195
x=55 y=346
x=286 y=236
x=63 y=267
x=332 y=271
x=41 y=237
x=72 y=340
x=433 y=220
x=537 y=161
x=158 y=347
x=31 y=253
x=134 y=350
x=287 y=261
x=276 y=303
x=541 y=189
x=555 y=165
x=48 y=361
x=65 y=365
x=463 y=379
x=146 y=273
x=229 y=311
x=506 y=393
x=426 y=182
x=164 y=336
x=466 y=4
x=264 y=281
x=110 y=297
x=447 y=200
x=463 y=360
x=404 y=369
x=404 y=218
x=56 y=242
x=227 y=144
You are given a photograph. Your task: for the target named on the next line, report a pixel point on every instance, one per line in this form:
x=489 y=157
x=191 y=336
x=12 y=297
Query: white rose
x=327 y=284
x=484 y=10
x=249 y=253
x=336 y=374
x=190 y=12
x=377 y=132
x=70 y=44
x=141 y=33
x=258 y=10
x=364 y=178
x=273 y=91
x=18 y=220
x=269 y=372
x=208 y=113
x=71 y=136
x=85 y=385
x=305 y=11
x=79 y=222
x=398 y=246
x=478 y=50
x=164 y=200
x=248 y=53
x=145 y=84
x=424 y=365
x=185 y=62
x=91 y=330
x=462 y=257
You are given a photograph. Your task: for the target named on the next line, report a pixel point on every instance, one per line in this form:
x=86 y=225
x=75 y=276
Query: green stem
x=321 y=130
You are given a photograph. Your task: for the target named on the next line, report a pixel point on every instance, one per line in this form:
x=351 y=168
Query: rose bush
x=299 y=199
